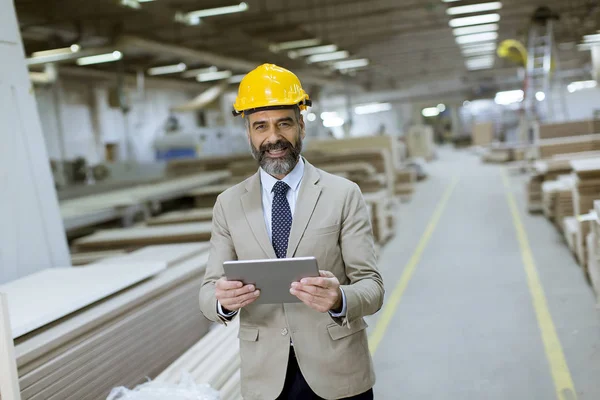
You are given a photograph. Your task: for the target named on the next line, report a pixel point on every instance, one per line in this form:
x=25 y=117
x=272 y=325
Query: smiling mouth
x=277 y=153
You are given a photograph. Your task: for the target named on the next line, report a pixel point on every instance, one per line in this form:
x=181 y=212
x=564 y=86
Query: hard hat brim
x=302 y=105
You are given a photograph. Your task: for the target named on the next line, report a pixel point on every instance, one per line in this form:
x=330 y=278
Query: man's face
x=276 y=140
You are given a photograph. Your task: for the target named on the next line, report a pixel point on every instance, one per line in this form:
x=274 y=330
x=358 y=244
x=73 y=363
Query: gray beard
x=278 y=166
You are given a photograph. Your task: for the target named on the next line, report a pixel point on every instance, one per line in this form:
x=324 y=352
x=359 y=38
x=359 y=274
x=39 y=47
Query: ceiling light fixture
x=441 y=107
x=192 y=73
x=75 y=48
x=372 y=108
x=194 y=17
x=509 y=97
x=349 y=64
x=135 y=4
x=167 y=69
x=338 y=55
x=591 y=38
x=294 y=44
x=540 y=96
x=480 y=62
x=581 y=85
x=477 y=38
x=101 y=58
x=333 y=122
x=329 y=48
x=468 y=30
x=475 y=20
x=430 y=112
x=236 y=78
x=213 y=76
x=474 y=8
x=479 y=48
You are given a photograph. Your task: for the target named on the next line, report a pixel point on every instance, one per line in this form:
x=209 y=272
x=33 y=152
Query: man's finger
x=326 y=274
x=238 y=302
x=227 y=285
x=321 y=282
x=316 y=303
x=311 y=289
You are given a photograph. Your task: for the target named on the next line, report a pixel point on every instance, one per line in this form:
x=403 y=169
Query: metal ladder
x=542 y=64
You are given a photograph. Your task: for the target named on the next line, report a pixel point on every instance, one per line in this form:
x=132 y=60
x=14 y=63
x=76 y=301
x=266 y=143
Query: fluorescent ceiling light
x=449 y=1
x=328 y=114
x=478 y=49
x=294 y=44
x=509 y=97
x=469 y=30
x=167 y=69
x=441 y=107
x=372 y=108
x=131 y=4
x=54 y=52
x=236 y=78
x=540 y=96
x=192 y=73
x=480 y=62
x=101 y=58
x=474 y=8
x=349 y=64
x=311 y=117
x=338 y=55
x=477 y=37
x=144 y=1
x=211 y=12
x=430 y=112
x=312 y=50
x=475 y=20
x=581 y=85
x=591 y=38
x=332 y=122
x=213 y=76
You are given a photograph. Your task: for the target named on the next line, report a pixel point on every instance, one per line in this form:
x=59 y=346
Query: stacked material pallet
x=420 y=142
x=405 y=181
x=182 y=217
x=576 y=144
x=194 y=165
x=383 y=212
x=566 y=129
x=563 y=205
x=593 y=250
x=555 y=197
x=213 y=360
x=570 y=232
x=583 y=225
x=587 y=187
x=80 y=346
x=534 y=193
x=483 y=133
x=206 y=197
x=140 y=236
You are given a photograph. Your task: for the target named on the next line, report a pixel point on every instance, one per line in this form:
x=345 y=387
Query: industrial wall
x=81 y=115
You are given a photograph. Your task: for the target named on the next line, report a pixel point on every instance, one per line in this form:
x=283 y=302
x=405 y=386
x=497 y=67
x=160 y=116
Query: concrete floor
x=466 y=328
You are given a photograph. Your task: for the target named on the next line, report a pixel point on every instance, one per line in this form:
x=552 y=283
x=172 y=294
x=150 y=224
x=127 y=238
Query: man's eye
x=284 y=124
x=259 y=127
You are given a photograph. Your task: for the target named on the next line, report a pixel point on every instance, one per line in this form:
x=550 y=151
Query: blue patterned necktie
x=281 y=219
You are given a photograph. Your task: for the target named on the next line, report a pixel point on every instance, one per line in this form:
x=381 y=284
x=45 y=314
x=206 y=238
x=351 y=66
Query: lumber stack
x=420 y=142
x=577 y=144
x=382 y=209
x=405 y=181
x=570 y=232
x=563 y=206
x=555 y=198
x=534 y=193
x=141 y=236
x=587 y=184
x=213 y=360
x=483 y=133
x=182 y=217
x=593 y=250
x=206 y=197
x=188 y=166
x=566 y=129
x=583 y=225
x=118 y=340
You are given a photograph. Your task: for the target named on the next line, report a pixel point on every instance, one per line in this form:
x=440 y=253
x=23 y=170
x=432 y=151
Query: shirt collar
x=292 y=179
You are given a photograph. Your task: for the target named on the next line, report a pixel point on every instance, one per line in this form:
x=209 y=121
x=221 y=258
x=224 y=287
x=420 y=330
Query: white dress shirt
x=293 y=180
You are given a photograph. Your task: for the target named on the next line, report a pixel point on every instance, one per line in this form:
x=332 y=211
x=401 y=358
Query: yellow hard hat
x=514 y=51
x=269 y=87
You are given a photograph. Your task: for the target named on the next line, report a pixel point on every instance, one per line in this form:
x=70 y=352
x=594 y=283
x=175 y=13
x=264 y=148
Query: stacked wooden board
x=195 y=165
x=420 y=142
x=182 y=217
x=383 y=212
x=534 y=192
x=556 y=200
x=565 y=129
x=213 y=360
x=593 y=250
x=118 y=340
x=483 y=133
x=405 y=181
x=549 y=147
x=563 y=206
x=140 y=236
x=587 y=185
x=206 y=197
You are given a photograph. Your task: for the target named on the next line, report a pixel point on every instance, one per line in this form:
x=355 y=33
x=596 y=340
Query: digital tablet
x=273 y=277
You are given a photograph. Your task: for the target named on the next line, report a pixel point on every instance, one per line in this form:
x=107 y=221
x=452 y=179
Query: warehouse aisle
x=465 y=327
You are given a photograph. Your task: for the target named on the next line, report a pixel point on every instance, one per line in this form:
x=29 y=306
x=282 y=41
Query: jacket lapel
x=307 y=200
x=252 y=205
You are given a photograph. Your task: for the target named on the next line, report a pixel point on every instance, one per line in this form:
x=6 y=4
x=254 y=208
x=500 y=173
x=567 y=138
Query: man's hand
x=322 y=294
x=233 y=295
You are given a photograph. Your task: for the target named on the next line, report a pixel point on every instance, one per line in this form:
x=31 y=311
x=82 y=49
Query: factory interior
x=471 y=128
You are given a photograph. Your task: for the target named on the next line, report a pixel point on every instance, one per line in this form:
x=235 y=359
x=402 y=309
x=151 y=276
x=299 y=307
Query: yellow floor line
x=389 y=309
x=563 y=382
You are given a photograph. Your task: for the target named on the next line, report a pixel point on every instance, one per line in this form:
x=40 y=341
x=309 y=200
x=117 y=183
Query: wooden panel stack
x=587 y=185
x=483 y=133
x=194 y=165
x=120 y=340
x=182 y=217
x=593 y=250
x=405 y=181
x=140 y=236
x=534 y=193
x=583 y=228
x=570 y=232
x=566 y=129
x=383 y=215
x=577 y=144
x=420 y=142
x=206 y=197
x=213 y=360
x=563 y=206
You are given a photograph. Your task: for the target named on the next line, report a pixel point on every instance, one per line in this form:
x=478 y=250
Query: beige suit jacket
x=331 y=223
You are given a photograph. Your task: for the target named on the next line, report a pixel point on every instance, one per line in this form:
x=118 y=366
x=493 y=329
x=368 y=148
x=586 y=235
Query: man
x=316 y=348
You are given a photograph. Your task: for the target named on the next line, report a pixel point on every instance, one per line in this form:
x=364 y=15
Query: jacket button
x=284 y=332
